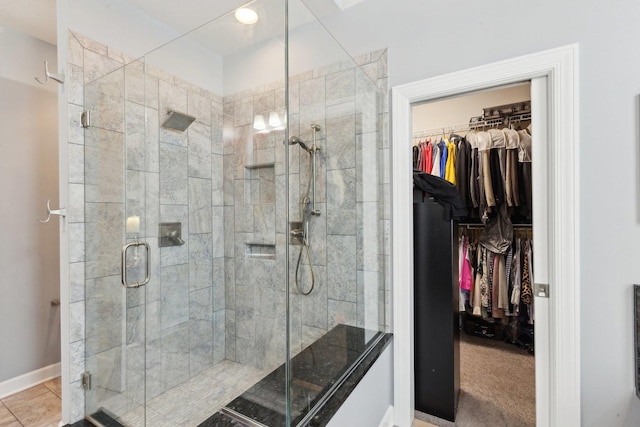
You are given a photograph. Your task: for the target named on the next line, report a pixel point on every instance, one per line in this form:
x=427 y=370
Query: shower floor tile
x=195 y=400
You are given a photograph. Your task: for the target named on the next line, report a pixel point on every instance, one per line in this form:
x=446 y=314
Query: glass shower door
x=338 y=191
x=120 y=258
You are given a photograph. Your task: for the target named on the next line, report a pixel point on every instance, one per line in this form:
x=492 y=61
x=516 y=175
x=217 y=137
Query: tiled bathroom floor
x=194 y=401
x=38 y=406
x=186 y=405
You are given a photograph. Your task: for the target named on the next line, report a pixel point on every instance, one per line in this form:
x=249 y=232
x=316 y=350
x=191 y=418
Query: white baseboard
x=30 y=379
x=387 y=420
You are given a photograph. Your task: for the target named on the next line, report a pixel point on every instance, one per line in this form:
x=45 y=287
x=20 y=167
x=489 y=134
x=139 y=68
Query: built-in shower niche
x=260 y=191
x=259 y=250
x=260 y=180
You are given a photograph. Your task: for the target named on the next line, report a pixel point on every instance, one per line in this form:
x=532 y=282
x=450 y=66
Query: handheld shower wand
x=296 y=140
x=307 y=211
x=313 y=151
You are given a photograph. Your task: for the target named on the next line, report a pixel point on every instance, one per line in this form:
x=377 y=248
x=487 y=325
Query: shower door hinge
x=85 y=119
x=86 y=380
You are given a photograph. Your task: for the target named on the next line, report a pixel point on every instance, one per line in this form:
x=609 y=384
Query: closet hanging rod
x=474 y=123
x=481 y=227
x=440 y=131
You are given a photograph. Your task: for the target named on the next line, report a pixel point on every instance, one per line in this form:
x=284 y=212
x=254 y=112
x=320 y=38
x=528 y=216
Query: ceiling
x=185 y=15
x=38 y=17
x=224 y=35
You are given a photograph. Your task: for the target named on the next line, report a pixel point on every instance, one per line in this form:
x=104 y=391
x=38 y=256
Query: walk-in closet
x=474 y=321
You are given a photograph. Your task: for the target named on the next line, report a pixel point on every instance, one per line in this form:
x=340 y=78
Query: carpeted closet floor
x=497 y=386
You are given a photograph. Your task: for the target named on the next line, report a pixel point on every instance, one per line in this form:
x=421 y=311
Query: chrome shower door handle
x=147 y=275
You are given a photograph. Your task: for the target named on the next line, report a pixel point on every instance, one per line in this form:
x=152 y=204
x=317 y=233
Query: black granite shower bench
x=326 y=372
x=323 y=375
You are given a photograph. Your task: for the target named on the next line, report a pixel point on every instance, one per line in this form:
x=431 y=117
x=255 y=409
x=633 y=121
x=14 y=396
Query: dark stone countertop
x=313 y=372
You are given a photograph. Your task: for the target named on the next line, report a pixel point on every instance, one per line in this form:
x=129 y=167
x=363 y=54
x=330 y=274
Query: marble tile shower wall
x=127 y=164
x=349 y=240
x=210 y=299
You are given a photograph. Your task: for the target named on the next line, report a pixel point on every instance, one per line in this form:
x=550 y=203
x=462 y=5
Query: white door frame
x=557 y=224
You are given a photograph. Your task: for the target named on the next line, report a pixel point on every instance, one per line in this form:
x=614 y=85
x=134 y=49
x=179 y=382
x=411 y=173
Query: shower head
x=178 y=121
x=295 y=140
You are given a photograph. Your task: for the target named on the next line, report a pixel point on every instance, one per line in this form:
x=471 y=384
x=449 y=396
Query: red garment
x=427 y=156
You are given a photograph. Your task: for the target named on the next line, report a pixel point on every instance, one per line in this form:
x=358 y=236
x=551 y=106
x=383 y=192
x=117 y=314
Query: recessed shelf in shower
x=260 y=250
x=260 y=165
x=260 y=183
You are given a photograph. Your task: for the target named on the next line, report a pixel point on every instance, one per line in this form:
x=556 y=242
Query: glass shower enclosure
x=235 y=212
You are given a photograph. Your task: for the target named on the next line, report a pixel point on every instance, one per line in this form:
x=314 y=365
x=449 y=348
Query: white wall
x=23 y=59
x=427 y=39
x=127 y=29
x=457 y=111
x=369 y=401
x=264 y=63
x=29 y=255
x=119 y=25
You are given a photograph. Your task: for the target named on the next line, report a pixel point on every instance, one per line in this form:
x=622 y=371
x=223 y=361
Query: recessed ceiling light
x=247 y=16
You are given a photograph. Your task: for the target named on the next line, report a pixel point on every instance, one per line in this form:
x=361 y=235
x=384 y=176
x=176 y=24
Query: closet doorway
x=492 y=362
x=554 y=90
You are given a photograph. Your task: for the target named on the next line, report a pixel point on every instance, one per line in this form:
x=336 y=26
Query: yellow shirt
x=450 y=172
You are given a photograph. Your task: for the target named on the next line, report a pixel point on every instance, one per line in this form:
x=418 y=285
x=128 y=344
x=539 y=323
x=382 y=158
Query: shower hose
x=305 y=248
x=306 y=217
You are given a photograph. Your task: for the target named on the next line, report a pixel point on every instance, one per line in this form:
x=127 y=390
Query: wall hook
x=60 y=212
x=47 y=75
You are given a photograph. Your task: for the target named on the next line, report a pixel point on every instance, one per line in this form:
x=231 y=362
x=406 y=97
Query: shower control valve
x=296 y=233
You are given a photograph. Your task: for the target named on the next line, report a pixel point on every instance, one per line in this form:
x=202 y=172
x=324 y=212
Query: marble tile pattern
x=349 y=247
x=212 y=299
x=195 y=400
x=128 y=164
x=188 y=404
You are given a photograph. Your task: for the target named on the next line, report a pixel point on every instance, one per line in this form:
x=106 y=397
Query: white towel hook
x=47 y=75
x=60 y=212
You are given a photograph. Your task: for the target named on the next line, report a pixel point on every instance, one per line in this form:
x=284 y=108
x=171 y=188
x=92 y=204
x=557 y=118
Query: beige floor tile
x=27 y=394
x=6 y=418
x=55 y=385
x=39 y=410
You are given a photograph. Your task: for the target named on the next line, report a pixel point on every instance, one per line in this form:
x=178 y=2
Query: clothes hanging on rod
x=496 y=285
x=490 y=168
x=489 y=162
